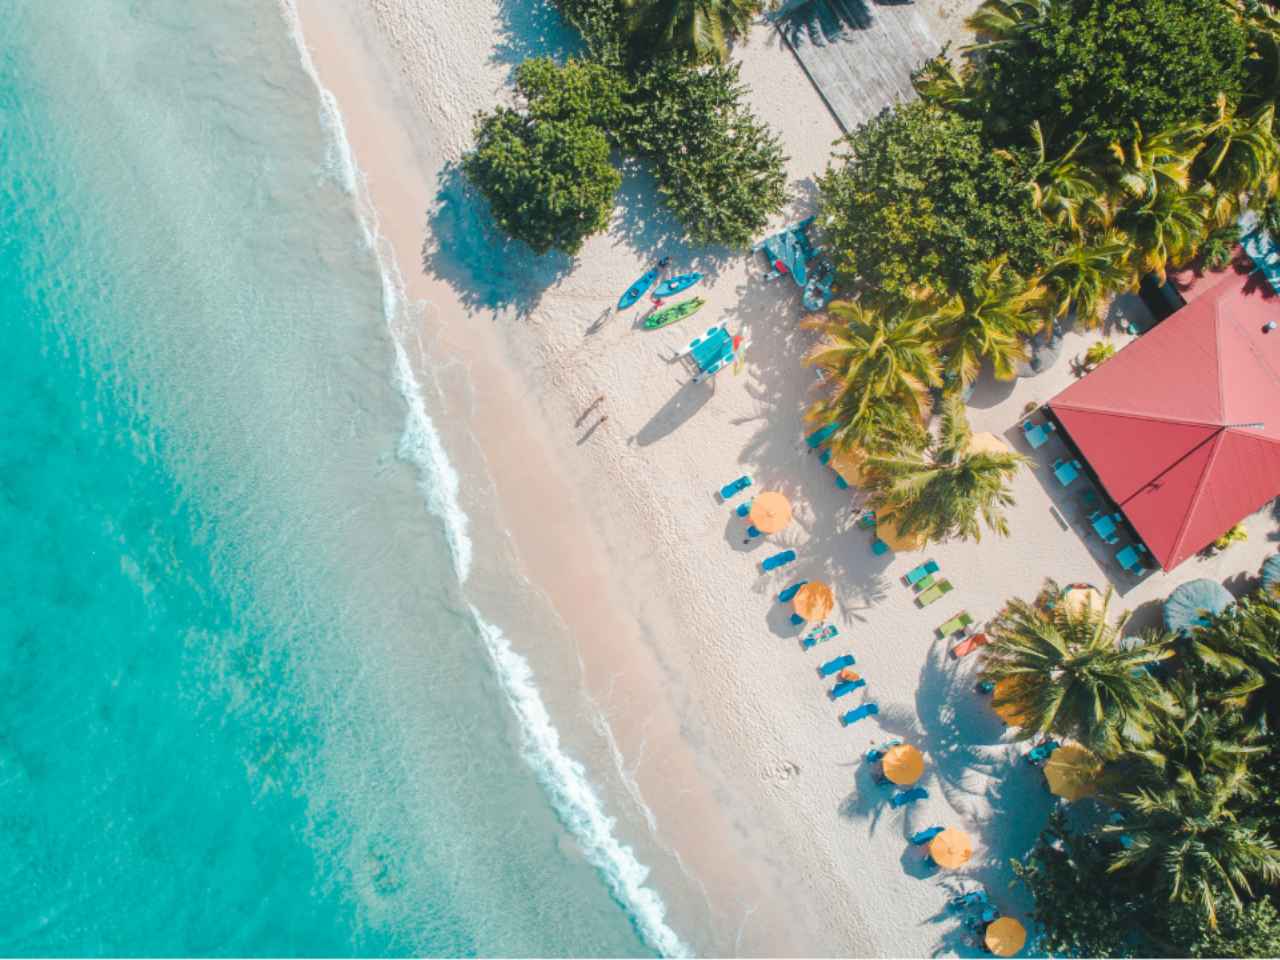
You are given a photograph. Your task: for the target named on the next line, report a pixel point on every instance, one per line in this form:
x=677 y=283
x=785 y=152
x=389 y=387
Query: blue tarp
x=1190 y=603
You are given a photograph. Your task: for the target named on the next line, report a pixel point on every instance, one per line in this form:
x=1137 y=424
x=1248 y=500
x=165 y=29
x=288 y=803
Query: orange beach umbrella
x=770 y=512
x=848 y=463
x=1005 y=936
x=813 y=601
x=951 y=848
x=1072 y=772
x=903 y=764
x=1006 y=701
x=888 y=531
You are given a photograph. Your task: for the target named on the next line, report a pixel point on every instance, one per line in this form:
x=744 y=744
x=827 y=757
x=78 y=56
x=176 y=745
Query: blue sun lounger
x=819 y=437
x=879 y=547
x=916 y=574
x=777 y=560
x=836 y=665
x=743 y=509
x=731 y=490
x=924 y=836
x=1040 y=754
x=876 y=754
x=903 y=797
x=819 y=635
x=845 y=686
x=853 y=716
x=789 y=594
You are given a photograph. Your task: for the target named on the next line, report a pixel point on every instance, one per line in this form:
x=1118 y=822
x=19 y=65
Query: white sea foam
x=576 y=802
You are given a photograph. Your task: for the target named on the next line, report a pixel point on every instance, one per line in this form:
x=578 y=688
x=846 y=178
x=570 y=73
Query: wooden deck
x=860 y=54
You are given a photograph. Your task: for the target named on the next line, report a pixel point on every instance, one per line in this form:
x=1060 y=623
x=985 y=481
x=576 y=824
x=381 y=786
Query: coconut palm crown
x=695 y=30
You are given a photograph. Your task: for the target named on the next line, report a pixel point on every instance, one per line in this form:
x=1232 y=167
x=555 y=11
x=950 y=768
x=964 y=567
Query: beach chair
x=845 y=687
x=731 y=490
x=926 y=583
x=955 y=624
x=777 y=560
x=968 y=645
x=934 y=593
x=744 y=508
x=903 y=797
x=921 y=837
x=971 y=899
x=1038 y=755
x=876 y=754
x=819 y=635
x=836 y=665
x=916 y=574
x=789 y=594
x=819 y=437
x=862 y=712
x=879 y=547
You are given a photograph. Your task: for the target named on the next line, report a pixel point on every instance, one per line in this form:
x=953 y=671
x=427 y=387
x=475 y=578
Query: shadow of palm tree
x=819 y=22
x=533 y=30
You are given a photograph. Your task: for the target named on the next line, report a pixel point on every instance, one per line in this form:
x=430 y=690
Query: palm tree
x=938 y=82
x=1067 y=190
x=877 y=370
x=988 y=321
x=1084 y=275
x=1064 y=674
x=946 y=490
x=696 y=30
x=1151 y=164
x=1240 y=157
x=1190 y=741
x=1186 y=840
x=1005 y=22
x=1166 y=227
x=1242 y=644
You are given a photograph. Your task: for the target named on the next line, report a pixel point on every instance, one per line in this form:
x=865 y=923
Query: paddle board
x=675 y=284
x=637 y=289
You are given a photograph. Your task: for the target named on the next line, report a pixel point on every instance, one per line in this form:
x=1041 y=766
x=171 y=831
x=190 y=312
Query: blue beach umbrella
x=1271 y=571
x=1190 y=604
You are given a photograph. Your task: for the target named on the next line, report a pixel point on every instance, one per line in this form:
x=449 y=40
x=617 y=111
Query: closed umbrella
x=903 y=764
x=1271 y=571
x=888 y=531
x=1072 y=772
x=770 y=512
x=813 y=601
x=1192 y=602
x=951 y=848
x=1005 y=936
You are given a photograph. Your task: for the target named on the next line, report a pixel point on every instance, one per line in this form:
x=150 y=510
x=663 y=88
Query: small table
x=1105 y=527
x=1066 y=471
x=1037 y=436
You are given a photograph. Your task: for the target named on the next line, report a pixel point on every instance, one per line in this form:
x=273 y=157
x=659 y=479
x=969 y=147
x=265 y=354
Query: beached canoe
x=674 y=313
x=637 y=289
x=673 y=285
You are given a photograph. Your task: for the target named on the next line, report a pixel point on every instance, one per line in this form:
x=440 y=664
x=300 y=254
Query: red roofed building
x=1182 y=426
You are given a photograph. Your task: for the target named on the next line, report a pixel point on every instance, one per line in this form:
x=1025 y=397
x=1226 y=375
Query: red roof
x=1182 y=426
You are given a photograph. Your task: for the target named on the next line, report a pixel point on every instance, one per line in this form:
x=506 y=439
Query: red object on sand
x=968 y=645
x=780 y=266
x=1181 y=426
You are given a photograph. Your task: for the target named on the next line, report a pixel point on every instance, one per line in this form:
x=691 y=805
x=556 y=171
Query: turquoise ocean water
x=246 y=707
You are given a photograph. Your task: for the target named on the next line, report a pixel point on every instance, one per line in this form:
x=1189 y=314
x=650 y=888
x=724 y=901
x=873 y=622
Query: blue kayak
x=675 y=284
x=637 y=289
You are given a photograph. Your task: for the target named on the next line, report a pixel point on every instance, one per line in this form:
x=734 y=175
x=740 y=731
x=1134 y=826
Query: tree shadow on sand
x=485 y=268
x=675 y=413
x=533 y=30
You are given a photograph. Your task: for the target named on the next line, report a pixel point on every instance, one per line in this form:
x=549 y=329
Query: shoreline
x=695 y=846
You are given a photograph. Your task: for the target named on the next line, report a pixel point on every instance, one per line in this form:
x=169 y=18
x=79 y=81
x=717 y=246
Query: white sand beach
x=767 y=835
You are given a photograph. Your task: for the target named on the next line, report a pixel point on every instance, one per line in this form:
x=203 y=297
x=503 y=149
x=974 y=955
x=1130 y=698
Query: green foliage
x=719 y=168
x=1099 y=66
x=1251 y=930
x=922 y=200
x=601 y=23
x=877 y=369
x=691 y=31
x=1219 y=246
x=1237 y=534
x=1064 y=674
x=546 y=171
x=946 y=490
x=1239 y=653
x=1098 y=353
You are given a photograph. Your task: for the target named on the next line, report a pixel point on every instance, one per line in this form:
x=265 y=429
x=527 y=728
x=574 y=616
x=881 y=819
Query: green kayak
x=674 y=313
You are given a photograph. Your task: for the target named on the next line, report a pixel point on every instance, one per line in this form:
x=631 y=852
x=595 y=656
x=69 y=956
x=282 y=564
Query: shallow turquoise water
x=244 y=706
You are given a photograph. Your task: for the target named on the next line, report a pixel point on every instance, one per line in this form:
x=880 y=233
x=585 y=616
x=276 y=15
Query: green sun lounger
x=935 y=592
x=955 y=624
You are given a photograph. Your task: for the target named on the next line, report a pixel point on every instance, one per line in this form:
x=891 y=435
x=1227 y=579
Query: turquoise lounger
x=836 y=665
x=934 y=593
x=853 y=716
x=915 y=575
x=844 y=687
x=789 y=594
x=777 y=560
x=731 y=490
x=820 y=635
x=879 y=547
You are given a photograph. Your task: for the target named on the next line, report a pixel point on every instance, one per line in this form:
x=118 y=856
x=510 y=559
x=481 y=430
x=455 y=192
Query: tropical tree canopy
x=1097 y=67
x=945 y=490
x=1241 y=647
x=920 y=200
x=1065 y=675
x=691 y=30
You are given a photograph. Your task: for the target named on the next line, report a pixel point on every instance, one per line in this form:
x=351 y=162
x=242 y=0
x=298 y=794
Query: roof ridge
x=1217 y=356
x=1135 y=416
x=1176 y=547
